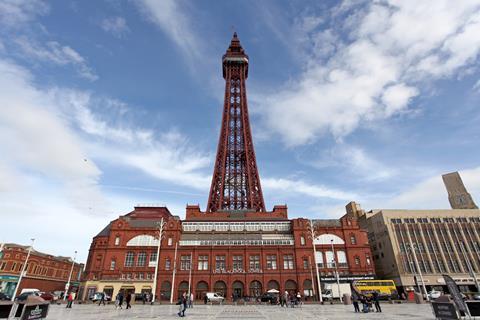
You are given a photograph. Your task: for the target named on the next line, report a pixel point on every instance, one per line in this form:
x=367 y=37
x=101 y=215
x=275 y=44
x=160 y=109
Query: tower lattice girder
x=235 y=181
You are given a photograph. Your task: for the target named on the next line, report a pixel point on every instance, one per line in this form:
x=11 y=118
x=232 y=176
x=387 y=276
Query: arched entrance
x=307 y=289
x=237 y=288
x=255 y=288
x=165 y=290
x=182 y=287
x=291 y=286
x=221 y=288
x=272 y=284
x=201 y=290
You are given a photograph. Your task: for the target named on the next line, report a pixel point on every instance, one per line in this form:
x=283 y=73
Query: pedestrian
x=128 y=298
x=182 y=302
x=70 y=300
x=376 y=300
x=355 y=302
x=285 y=297
x=120 y=300
x=102 y=298
x=299 y=299
x=205 y=299
x=292 y=299
x=190 y=301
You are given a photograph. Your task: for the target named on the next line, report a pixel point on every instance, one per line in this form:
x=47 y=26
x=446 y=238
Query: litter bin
x=419 y=298
x=347 y=299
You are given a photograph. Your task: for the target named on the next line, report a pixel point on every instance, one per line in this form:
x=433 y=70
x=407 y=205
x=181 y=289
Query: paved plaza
x=90 y=312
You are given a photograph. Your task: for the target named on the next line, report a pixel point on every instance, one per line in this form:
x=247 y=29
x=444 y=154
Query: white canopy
x=273 y=291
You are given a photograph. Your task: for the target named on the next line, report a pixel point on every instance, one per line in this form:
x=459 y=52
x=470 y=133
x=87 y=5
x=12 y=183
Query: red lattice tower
x=235 y=181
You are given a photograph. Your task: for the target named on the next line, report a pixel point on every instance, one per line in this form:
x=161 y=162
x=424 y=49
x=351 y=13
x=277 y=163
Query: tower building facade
x=235 y=247
x=458 y=195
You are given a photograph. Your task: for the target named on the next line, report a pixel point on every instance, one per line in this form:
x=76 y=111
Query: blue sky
x=108 y=104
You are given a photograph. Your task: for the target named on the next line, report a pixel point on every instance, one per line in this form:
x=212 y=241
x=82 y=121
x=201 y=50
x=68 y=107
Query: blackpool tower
x=235 y=182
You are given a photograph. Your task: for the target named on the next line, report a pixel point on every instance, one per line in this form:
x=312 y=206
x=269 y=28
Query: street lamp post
x=417 y=266
x=67 y=286
x=173 y=273
x=336 y=271
x=23 y=270
x=160 y=233
x=312 y=236
x=190 y=275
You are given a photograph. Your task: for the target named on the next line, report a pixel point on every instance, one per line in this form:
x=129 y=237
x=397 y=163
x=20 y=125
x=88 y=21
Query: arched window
x=272 y=284
x=143 y=240
x=201 y=290
x=327 y=238
x=220 y=287
x=290 y=286
x=255 y=288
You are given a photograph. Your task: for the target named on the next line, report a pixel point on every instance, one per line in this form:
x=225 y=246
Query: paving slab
x=231 y=312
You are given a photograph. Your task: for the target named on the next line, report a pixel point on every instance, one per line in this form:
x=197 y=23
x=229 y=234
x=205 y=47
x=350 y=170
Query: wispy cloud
x=54 y=52
x=371 y=65
x=117 y=26
x=173 y=19
x=15 y=13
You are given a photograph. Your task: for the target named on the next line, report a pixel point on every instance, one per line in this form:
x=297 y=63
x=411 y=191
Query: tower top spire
x=235 y=54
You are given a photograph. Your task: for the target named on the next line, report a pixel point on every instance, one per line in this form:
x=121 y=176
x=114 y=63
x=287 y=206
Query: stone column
x=439 y=246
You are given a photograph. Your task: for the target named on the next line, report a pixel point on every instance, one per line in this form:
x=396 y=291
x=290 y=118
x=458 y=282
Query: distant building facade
x=458 y=195
x=236 y=254
x=442 y=241
x=44 y=272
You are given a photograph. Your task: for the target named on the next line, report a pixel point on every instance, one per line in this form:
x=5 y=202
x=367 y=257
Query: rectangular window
x=255 y=262
x=202 y=262
x=353 y=240
x=170 y=241
x=129 y=259
x=3 y=265
x=272 y=262
x=141 y=259
x=288 y=262
x=117 y=241
x=112 y=265
x=238 y=263
x=185 y=262
x=140 y=276
x=13 y=266
x=153 y=259
x=357 y=261
x=220 y=263
x=167 y=264
x=302 y=240
x=305 y=263
x=367 y=258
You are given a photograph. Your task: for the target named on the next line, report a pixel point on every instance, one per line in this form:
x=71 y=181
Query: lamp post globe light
x=67 y=286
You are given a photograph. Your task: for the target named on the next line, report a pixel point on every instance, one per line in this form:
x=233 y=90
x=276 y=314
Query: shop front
x=8 y=284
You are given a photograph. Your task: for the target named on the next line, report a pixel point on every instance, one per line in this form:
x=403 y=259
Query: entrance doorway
x=237 y=290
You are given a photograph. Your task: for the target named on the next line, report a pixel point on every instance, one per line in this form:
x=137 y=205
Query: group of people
x=367 y=302
x=185 y=301
x=119 y=300
x=291 y=299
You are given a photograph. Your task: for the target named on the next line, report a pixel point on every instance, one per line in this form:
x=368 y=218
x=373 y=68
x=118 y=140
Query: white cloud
x=15 y=13
x=174 y=21
x=371 y=65
x=56 y=53
x=301 y=187
x=36 y=141
x=117 y=26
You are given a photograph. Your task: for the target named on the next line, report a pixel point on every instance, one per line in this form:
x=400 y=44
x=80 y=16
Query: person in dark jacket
x=128 y=298
x=102 y=298
x=355 y=302
x=183 y=305
x=376 y=301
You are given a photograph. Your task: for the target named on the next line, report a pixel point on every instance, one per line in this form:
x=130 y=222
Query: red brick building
x=45 y=272
x=235 y=246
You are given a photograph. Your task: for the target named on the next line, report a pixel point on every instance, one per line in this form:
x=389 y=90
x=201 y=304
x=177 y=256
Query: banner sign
x=347 y=278
x=35 y=312
x=455 y=293
x=445 y=310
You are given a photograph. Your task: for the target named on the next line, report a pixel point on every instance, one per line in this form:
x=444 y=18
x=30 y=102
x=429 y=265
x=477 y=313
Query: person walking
x=299 y=299
x=102 y=298
x=285 y=298
x=182 y=302
x=190 y=301
x=128 y=298
x=70 y=300
x=355 y=302
x=376 y=301
x=120 y=300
